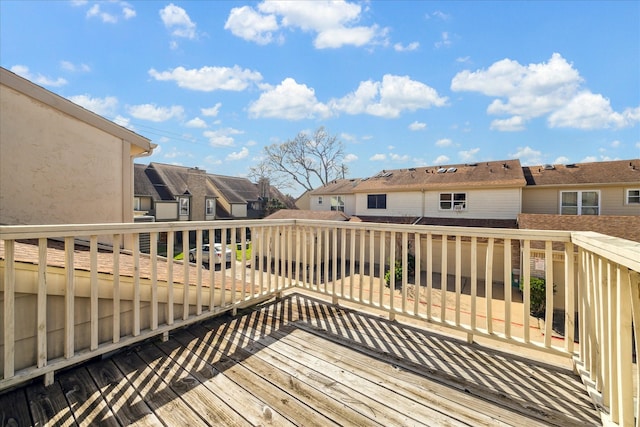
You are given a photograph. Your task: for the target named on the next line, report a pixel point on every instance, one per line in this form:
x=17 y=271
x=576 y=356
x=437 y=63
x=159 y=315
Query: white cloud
x=105 y=107
x=512 y=124
x=550 y=88
x=196 y=123
x=238 y=155
x=222 y=137
x=591 y=111
x=464 y=59
x=527 y=156
x=417 y=126
x=39 y=79
x=378 y=157
x=289 y=100
x=208 y=79
x=468 y=155
x=615 y=144
x=246 y=23
x=213 y=160
x=347 y=137
x=74 y=68
x=398 y=47
x=562 y=160
x=212 y=111
x=330 y=21
x=106 y=17
x=128 y=12
x=156 y=114
x=589 y=159
x=445 y=41
x=440 y=15
x=350 y=158
x=441 y=160
x=444 y=142
x=177 y=20
x=114 y=10
x=388 y=98
x=398 y=157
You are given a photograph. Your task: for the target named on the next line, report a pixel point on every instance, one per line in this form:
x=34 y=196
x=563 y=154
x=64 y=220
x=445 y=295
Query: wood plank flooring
x=302 y=361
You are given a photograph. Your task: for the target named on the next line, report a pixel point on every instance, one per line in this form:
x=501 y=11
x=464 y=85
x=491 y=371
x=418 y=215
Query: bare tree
x=308 y=160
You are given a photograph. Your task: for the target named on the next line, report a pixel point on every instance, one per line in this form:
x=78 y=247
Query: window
x=320 y=200
x=453 y=201
x=184 y=205
x=580 y=203
x=633 y=196
x=337 y=203
x=136 y=204
x=210 y=206
x=376 y=201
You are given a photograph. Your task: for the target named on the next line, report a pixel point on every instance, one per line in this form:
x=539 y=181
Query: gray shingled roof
x=613 y=172
x=235 y=189
x=142 y=185
x=171 y=180
x=338 y=187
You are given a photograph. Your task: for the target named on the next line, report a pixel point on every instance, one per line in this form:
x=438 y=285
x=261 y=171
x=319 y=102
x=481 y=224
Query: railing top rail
x=85 y=230
x=621 y=251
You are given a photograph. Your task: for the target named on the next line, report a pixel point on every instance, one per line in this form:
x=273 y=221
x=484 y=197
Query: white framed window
x=632 y=196
x=376 y=201
x=337 y=203
x=453 y=201
x=137 y=204
x=210 y=206
x=183 y=205
x=319 y=200
x=580 y=202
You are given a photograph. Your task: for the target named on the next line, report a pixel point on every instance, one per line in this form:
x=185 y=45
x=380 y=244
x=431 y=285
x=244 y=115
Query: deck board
x=302 y=361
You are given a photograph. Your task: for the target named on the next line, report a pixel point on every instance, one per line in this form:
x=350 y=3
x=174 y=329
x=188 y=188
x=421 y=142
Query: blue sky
x=401 y=83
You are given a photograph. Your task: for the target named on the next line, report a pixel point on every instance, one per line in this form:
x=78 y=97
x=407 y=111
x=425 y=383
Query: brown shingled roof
x=614 y=172
x=503 y=173
x=337 y=186
x=306 y=214
x=624 y=227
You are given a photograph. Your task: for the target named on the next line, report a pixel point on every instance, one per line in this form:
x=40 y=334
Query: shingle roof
x=503 y=173
x=625 y=227
x=171 y=180
x=307 y=214
x=142 y=185
x=613 y=172
x=338 y=186
x=235 y=189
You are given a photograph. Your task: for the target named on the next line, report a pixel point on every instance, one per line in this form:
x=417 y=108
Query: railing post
x=569 y=280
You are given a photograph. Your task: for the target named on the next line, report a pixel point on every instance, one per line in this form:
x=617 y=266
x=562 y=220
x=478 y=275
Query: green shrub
x=538 y=295
x=411 y=268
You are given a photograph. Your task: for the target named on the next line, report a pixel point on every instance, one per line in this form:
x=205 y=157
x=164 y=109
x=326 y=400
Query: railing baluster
x=612 y=310
x=405 y=268
x=429 y=275
x=9 y=308
x=458 y=278
x=275 y=257
x=593 y=343
x=352 y=261
x=361 y=266
x=153 y=242
x=223 y=261
x=243 y=262
x=327 y=241
x=212 y=270
x=507 y=287
x=392 y=275
x=136 y=284
x=93 y=305
x=42 y=302
x=443 y=278
x=116 y=287
x=474 y=287
x=343 y=260
x=261 y=250
x=252 y=271
x=317 y=232
x=69 y=297
x=605 y=280
x=185 y=275
x=334 y=267
x=634 y=291
x=569 y=323
x=170 y=243
x=417 y=255
x=381 y=284
x=199 y=271
x=526 y=288
x=624 y=350
x=548 y=278
x=488 y=284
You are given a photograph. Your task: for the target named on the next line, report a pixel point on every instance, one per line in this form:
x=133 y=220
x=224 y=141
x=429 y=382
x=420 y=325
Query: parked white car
x=217 y=251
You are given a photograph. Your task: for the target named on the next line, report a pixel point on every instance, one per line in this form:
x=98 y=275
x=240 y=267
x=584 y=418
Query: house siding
x=55 y=169
x=547 y=200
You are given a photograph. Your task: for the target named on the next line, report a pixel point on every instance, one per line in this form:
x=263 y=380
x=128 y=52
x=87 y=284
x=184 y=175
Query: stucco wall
x=57 y=169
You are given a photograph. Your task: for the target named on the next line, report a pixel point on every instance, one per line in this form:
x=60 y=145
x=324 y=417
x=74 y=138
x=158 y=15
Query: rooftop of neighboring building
x=625 y=227
x=610 y=172
x=308 y=214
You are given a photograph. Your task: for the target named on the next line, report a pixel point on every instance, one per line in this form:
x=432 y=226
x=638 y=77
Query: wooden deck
x=302 y=361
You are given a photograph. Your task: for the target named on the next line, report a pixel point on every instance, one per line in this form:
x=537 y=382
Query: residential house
x=475 y=194
x=175 y=193
x=61 y=163
x=598 y=188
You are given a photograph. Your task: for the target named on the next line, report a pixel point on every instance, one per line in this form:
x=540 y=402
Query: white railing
x=94 y=300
